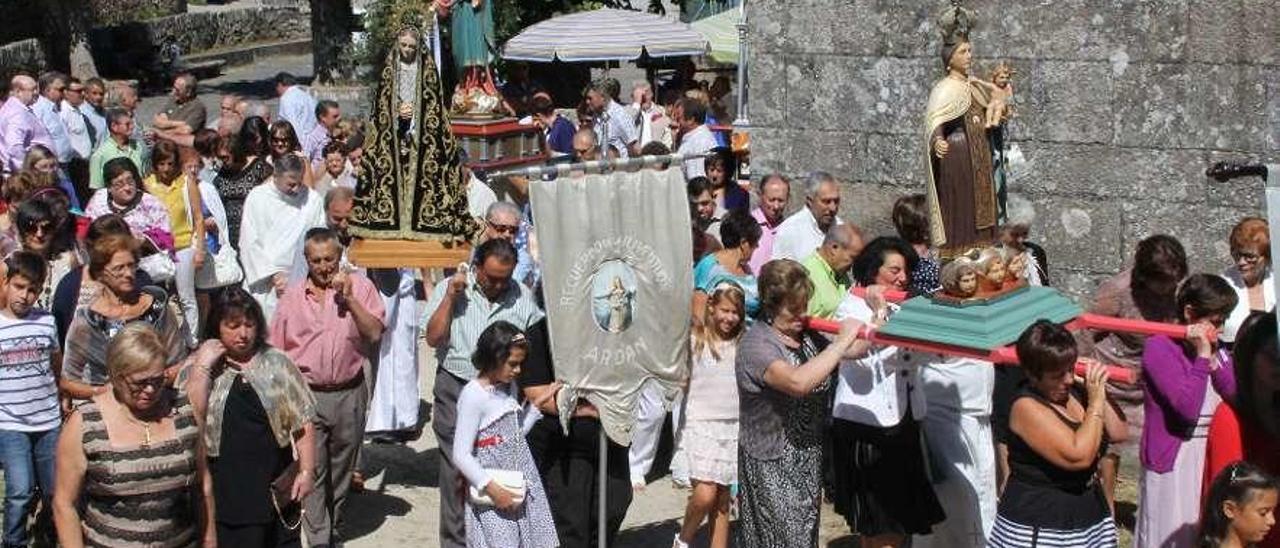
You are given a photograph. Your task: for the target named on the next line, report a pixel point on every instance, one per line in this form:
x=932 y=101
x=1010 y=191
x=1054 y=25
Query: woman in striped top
x=133 y=455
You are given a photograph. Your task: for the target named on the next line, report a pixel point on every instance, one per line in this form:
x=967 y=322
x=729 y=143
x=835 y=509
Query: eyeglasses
x=1246 y=256
x=503 y=229
x=120 y=269
x=44 y=227
x=154 y=383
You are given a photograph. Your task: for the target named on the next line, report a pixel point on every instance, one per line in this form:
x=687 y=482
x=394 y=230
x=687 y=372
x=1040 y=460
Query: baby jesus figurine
x=999 y=107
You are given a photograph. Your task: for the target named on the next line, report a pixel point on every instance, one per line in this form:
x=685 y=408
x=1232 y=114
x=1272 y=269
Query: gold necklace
x=146 y=426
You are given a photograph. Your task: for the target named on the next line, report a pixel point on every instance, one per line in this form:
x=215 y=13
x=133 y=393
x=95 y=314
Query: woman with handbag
x=221 y=267
x=147 y=217
x=253 y=405
x=181 y=197
x=506 y=505
x=113 y=263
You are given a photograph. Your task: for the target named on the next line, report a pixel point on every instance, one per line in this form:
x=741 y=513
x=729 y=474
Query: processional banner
x=616 y=258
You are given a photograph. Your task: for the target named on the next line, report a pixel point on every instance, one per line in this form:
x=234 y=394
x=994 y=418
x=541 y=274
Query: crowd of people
x=189 y=358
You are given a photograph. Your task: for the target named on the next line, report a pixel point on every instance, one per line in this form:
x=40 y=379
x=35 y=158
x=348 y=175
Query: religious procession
x=818 y=266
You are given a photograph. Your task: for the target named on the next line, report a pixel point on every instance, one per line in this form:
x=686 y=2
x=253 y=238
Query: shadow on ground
x=658 y=534
x=365 y=512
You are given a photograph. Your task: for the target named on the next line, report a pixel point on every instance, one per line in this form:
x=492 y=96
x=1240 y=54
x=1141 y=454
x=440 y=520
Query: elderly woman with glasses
x=113 y=262
x=130 y=466
x=784 y=379
x=1249 y=274
x=147 y=216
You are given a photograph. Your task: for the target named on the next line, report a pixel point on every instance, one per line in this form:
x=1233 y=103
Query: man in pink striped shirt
x=19 y=127
x=329 y=324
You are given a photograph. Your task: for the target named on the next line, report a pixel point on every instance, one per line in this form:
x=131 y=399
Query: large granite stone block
x=1191 y=106
x=1078 y=285
x=770 y=150
x=1203 y=230
x=1063 y=101
x=1234 y=31
x=1124 y=30
x=768 y=92
x=1079 y=233
x=818 y=87
x=1102 y=171
x=840 y=153
x=870 y=206
x=897 y=159
x=768 y=26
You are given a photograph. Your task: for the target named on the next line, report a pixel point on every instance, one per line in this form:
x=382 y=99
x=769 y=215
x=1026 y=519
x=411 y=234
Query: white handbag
x=220 y=270
x=159 y=266
x=511 y=480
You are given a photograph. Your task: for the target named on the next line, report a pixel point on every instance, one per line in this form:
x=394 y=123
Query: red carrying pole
x=1004 y=355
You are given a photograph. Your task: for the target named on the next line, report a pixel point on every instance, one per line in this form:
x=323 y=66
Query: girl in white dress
x=710 y=435
x=489 y=448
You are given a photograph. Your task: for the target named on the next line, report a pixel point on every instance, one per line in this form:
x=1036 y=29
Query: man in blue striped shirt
x=458 y=311
x=29 y=412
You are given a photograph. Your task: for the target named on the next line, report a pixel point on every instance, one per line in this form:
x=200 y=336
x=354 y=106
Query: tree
x=331 y=55
x=66 y=42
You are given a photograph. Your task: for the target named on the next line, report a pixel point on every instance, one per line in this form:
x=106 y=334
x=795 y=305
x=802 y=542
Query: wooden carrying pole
x=1004 y=355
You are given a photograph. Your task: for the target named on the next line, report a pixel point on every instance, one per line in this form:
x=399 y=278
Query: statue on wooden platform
x=963 y=206
x=411 y=185
x=472 y=43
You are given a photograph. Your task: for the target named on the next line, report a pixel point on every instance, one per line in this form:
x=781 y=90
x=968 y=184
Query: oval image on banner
x=613 y=293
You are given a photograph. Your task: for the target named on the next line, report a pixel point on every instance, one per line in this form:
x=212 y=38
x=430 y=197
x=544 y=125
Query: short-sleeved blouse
x=709 y=272
x=768 y=417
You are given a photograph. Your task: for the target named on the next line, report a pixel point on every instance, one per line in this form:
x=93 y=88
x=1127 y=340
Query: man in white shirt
x=81 y=132
x=696 y=138
x=273 y=227
x=803 y=231
x=652 y=119
x=95 y=92
x=76 y=121
x=296 y=105
x=615 y=128
x=46 y=109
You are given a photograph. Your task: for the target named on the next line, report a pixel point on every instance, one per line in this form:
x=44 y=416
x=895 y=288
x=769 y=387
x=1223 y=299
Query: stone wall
x=1122 y=105
x=129 y=49
x=196 y=32
x=114 y=12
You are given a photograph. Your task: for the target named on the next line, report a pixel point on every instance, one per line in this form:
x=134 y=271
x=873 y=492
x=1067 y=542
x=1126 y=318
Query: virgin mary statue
x=411 y=185
x=961 y=192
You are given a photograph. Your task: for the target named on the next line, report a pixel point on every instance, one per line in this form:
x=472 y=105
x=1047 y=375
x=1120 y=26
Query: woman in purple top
x=1178 y=407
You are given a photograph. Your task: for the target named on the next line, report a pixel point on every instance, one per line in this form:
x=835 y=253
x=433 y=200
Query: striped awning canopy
x=604 y=35
x=721 y=30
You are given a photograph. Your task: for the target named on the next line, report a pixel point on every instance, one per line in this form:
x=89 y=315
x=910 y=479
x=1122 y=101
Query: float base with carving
x=979 y=325
x=497 y=143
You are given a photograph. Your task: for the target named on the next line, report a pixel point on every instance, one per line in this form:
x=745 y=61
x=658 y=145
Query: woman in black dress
x=245 y=164
x=1056 y=439
x=253 y=405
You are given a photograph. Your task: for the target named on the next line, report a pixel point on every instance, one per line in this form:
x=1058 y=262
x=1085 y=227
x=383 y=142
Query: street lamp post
x=742 y=120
